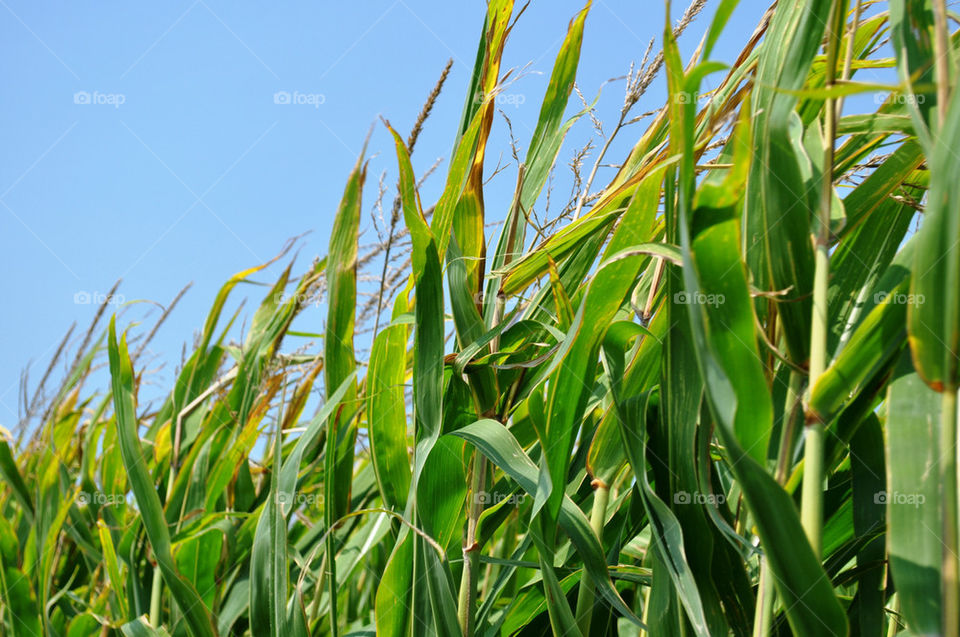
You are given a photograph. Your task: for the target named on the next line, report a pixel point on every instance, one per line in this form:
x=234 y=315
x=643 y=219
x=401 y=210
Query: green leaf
x=911 y=30
x=394 y=594
x=197 y=615
x=20 y=601
x=913 y=491
x=578 y=355
x=386 y=410
x=428 y=331
x=197 y=559
x=268 y=560
x=875 y=341
x=443 y=484
x=502 y=449
x=339 y=360
x=112 y=566
x=140 y=627
x=10 y=473
x=291 y=465
x=543 y=150
x=812 y=607
x=933 y=323
x=778 y=206
x=725 y=298
x=868 y=471
x=562 y=621
x=668 y=542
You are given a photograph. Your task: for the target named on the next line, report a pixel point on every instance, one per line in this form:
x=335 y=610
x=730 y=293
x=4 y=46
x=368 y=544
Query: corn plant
x=715 y=396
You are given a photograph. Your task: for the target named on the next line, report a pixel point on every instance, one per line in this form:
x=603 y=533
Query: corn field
x=716 y=395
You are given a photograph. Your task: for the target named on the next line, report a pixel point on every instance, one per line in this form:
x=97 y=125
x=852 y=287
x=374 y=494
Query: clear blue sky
x=183 y=168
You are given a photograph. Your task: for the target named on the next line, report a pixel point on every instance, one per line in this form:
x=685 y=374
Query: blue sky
x=143 y=141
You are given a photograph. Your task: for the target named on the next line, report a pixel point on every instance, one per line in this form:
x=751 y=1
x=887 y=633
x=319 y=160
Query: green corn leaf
x=112 y=565
x=10 y=473
x=562 y=621
x=197 y=559
x=568 y=392
x=669 y=542
x=778 y=206
x=503 y=450
x=268 y=560
x=868 y=471
x=386 y=410
x=812 y=606
x=428 y=333
x=933 y=324
x=339 y=361
x=19 y=601
x=197 y=615
x=860 y=259
x=394 y=595
x=443 y=484
x=140 y=627
x=911 y=31
x=872 y=346
x=545 y=144
x=913 y=517
x=291 y=465
x=725 y=296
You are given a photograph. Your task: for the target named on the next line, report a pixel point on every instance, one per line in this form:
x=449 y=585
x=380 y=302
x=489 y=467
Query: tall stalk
x=950 y=573
x=587 y=595
x=950 y=566
x=329 y=514
x=471 y=549
x=941 y=45
x=763 y=616
x=811 y=512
